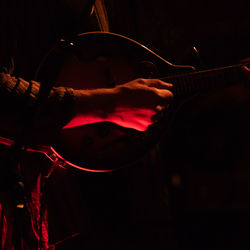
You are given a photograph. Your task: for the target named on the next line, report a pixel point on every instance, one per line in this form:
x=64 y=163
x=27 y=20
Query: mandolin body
x=102 y=60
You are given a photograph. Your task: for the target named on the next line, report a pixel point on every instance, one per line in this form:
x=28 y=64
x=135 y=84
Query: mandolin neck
x=188 y=83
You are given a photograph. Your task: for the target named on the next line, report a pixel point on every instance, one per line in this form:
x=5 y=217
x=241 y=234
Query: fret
x=188 y=83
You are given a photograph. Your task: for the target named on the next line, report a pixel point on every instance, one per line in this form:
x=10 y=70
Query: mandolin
x=103 y=60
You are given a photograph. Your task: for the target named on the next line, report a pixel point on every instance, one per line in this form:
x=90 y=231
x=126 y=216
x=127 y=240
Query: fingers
x=159 y=108
x=161 y=88
x=156 y=83
x=165 y=93
x=246 y=68
x=246 y=71
x=159 y=112
x=145 y=93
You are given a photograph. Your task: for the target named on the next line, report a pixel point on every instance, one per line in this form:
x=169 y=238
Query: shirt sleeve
x=17 y=96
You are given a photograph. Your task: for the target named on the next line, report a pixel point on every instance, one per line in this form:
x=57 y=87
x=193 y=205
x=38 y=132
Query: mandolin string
x=205 y=79
x=205 y=71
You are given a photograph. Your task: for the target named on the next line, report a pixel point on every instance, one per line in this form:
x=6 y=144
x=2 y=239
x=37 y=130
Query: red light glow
x=137 y=118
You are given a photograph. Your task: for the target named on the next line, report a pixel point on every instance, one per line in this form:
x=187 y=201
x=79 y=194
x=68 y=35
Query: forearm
x=130 y=105
x=63 y=106
x=91 y=106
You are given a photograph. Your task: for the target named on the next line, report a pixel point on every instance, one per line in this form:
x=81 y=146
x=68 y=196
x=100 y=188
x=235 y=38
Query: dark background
x=192 y=191
x=219 y=29
x=205 y=160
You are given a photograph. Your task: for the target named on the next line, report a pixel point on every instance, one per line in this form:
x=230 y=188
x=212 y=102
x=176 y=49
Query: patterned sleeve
x=18 y=95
